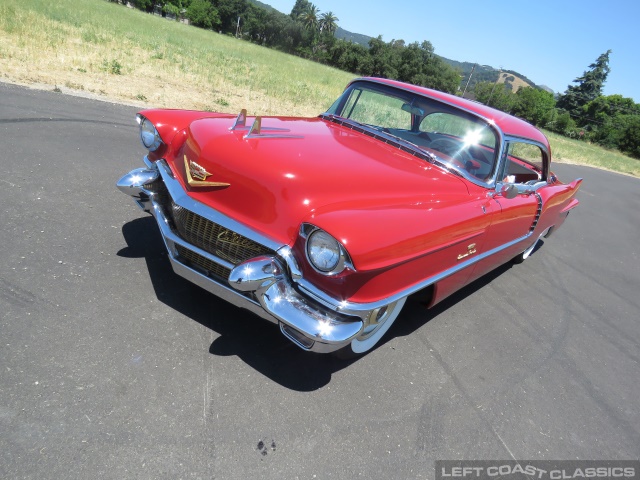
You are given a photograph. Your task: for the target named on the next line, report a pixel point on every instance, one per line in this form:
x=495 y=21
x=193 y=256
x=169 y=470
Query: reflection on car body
x=324 y=226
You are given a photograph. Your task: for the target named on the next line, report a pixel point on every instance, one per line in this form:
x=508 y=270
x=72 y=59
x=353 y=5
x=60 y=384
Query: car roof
x=509 y=124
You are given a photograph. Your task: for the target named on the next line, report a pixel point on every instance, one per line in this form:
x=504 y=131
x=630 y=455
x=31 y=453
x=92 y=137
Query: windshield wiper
x=389 y=138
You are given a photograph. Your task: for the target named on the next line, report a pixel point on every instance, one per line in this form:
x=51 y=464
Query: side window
x=371 y=108
x=525 y=163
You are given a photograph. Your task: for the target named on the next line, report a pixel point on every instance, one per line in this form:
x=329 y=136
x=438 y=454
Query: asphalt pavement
x=113 y=367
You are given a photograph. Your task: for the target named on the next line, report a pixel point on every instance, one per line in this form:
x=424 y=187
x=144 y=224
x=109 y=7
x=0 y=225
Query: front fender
x=394 y=248
x=169 y=122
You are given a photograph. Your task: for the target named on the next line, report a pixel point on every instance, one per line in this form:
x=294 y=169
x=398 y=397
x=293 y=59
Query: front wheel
x=381 y=321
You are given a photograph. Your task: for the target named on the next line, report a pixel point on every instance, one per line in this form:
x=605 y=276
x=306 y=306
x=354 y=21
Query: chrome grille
x=214 y=238
x=211 y=268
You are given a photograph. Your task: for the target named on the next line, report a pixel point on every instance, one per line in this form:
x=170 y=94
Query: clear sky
x=551 y=42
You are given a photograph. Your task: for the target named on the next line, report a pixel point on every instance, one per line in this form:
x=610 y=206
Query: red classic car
x=325 y=225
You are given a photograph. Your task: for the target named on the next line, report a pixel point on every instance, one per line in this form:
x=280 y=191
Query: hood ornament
x=255 y=130
x=197 y=175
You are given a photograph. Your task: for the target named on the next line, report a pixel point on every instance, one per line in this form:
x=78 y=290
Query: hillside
x=353 y=37
x=103 y=50
x=482 y=73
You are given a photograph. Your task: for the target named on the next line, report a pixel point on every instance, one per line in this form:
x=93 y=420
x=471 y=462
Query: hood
x=296 y=168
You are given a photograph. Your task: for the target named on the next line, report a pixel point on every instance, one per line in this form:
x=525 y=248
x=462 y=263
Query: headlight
x=149 y=136
x=323 y=251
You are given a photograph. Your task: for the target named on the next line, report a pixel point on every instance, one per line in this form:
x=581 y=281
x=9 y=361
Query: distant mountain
x=353 y=37
x=481 y=73
x=263 y=5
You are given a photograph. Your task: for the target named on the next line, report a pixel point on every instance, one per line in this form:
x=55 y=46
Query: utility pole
x=494 y=87
x=470 y=75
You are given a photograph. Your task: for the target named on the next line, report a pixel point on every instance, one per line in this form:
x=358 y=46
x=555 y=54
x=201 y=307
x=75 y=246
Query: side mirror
x=508 y=190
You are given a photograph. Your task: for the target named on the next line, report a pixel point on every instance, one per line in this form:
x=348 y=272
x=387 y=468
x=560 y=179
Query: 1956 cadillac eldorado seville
x=324 y=226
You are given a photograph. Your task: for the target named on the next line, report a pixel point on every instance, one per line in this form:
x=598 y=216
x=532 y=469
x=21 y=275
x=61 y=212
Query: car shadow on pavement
x=254 y=340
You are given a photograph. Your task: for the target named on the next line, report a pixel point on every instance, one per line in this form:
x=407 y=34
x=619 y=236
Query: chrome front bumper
x=262 y=285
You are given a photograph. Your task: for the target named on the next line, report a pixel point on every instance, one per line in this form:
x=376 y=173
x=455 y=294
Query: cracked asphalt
x=113 y=367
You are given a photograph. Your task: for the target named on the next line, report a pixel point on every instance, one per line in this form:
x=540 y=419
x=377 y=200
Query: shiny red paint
x=401 y=218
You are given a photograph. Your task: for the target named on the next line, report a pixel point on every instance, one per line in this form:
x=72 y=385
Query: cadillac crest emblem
x=197 y=175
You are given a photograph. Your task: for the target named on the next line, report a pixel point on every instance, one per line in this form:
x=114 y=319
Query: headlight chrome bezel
x=313 y=234
x=149 y=136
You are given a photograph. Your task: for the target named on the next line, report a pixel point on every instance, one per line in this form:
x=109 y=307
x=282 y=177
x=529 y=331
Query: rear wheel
x=524 y=255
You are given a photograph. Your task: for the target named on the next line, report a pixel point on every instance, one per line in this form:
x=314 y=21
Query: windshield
x=457 y=138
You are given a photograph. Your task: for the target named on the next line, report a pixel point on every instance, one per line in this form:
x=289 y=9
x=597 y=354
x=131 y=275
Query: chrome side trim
x=268 y=293
x=313 y=325
x=538 y=213
x=261 y=285
x=362 y=309
x=345 y=263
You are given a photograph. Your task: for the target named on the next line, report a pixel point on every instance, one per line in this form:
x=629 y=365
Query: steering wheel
x=451 y=148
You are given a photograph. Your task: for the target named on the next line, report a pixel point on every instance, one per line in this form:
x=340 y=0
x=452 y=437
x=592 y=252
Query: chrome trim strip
x=344 y=263
x=362 y=309
x=523 y=189
x=268 y=292
x=277 y=300
x=501 y=136
x=181 y=198
x=286 y=254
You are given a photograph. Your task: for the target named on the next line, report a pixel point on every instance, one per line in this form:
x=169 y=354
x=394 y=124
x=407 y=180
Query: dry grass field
x=102 y=49
x=105 y=49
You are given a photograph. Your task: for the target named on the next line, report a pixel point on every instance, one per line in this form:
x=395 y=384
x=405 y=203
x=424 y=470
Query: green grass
x=123 y=54
x=567 y=150
x=205 y=68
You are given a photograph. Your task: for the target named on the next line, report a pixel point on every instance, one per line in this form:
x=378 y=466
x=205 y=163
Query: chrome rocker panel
x=261 y=285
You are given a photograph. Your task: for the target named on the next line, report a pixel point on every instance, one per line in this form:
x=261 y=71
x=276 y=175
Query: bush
x=630 y=141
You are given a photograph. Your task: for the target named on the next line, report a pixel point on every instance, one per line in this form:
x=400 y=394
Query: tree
x=146 y=5
x=605 y=107
x=495 y=95
x=630 y=141
x=202 y=13
x=613 y=119
x=309 y=17
x=588 y=88
x=534 y=105
x=299 y=8
x=382 y=59
x=229 y=11
x=171 y=10
x=329 y=22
